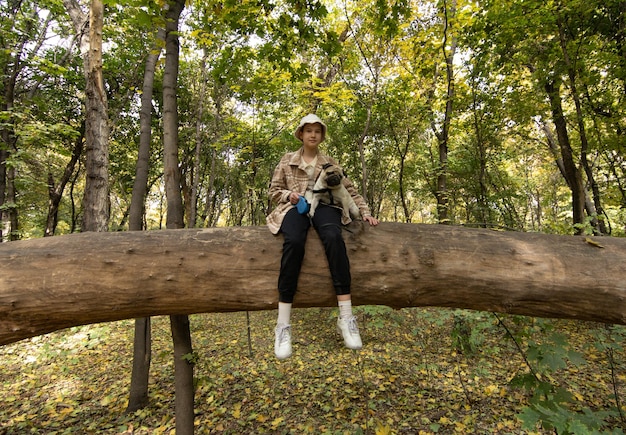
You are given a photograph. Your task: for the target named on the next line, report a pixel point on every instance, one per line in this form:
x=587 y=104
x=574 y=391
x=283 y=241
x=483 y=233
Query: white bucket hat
x=310 y=119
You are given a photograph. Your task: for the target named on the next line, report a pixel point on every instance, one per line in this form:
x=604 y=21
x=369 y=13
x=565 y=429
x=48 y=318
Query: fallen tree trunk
x=57 y=282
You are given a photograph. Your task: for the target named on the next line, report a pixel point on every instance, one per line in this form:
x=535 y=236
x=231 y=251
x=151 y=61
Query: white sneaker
x=282 y=344
x=350 y=332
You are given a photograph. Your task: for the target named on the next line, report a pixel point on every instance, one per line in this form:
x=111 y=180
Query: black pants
x=327 y=223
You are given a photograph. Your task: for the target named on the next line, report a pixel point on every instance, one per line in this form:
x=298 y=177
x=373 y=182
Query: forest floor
x=421 y=371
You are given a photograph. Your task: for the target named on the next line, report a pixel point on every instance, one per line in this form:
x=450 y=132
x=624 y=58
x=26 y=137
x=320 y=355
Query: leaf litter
x=415 y=375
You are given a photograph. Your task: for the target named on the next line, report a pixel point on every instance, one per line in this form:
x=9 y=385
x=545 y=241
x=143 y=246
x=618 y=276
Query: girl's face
x=312 y=135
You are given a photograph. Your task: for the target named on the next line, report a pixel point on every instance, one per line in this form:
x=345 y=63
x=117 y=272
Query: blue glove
x=303 y=205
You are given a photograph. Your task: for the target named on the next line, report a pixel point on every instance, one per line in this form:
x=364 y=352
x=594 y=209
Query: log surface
x=57 y=282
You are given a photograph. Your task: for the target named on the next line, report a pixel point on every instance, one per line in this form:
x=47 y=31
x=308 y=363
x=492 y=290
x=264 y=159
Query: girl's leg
x=294 y=228
x=327 y=222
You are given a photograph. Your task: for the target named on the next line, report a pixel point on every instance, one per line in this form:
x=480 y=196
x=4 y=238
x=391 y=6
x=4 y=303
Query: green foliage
x=561 y=420
x=191 y=358
x=553 y=406
x=379 y=316
x=373 y=70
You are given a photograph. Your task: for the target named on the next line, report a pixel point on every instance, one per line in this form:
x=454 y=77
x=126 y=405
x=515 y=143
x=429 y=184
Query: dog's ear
x=344 y=174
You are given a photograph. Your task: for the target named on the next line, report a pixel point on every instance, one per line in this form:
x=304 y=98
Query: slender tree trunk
x=8 y=142
x=175 y=211
x=571 y=172
x=142 y=356
x=594 y=208
x=195 y=183
x=140 y=185
x=483 y=212
x=96 y=199
x=402 y=154
x=55 y=193
x=4 y=155
x=11 y=218
x=142 y=344
x=444 y=135
x=181 y=335
x=183 y=378
x=361 y=146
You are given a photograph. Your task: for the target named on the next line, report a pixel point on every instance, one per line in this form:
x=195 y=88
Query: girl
x=293 y=179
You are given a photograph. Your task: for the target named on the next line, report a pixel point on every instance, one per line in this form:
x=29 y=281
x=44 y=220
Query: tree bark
x=55 y=191
x=15 y=58
x=448 y=49
x=179 y=322
x=594 y=208
x=96 y=199
x=175 y=210
x=572 y=173
x=140 y=185
x=142 y=357
x=183 y=374
x=57 y=282
x=142 y=342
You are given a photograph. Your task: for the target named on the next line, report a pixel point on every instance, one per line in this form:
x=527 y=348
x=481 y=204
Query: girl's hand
x=371 y=220
x=294 y=197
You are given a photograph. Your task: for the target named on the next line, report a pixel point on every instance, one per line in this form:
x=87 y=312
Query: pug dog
x=329 y=190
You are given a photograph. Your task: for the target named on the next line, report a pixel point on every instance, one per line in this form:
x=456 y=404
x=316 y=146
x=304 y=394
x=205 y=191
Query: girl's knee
x=296 y=243
x=331 y=234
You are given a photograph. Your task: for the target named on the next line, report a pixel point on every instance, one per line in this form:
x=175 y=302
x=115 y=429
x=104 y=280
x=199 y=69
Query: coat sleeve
x=278 y=191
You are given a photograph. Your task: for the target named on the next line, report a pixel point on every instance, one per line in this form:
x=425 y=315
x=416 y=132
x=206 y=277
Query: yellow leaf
x=383 y=430
x=593 y=243
x=105 y=401
x=237 y=410
x=277 y=422
x=490 y=389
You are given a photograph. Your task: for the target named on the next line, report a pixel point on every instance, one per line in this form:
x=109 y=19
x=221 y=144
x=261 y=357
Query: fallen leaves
x=408 y=379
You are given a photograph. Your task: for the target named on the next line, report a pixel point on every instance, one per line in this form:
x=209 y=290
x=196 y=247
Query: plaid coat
x=290 y=176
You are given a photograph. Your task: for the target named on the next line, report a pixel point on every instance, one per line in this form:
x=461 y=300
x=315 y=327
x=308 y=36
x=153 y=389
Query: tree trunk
x=572 y=173
x=96 y=199
x=183 y=374
x=199 y=137
x=142 y=342
x=140 y=185
x=14 y=61
x=183 y=367
x=443 y=136
x=4 y=155
x=403 y=150
x=9 y=207
x=55 y=192
x=170 y=119
x=142 y=356
x=594 y=209
x=58 y=282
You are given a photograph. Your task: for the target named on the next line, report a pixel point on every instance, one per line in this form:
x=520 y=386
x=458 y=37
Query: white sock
x=284 y=313
x=345 y=309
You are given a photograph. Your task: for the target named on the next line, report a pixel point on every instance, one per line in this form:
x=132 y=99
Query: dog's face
x=331 y=175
